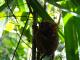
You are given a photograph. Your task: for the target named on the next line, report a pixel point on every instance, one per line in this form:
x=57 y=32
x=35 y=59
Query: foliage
x=14 y=14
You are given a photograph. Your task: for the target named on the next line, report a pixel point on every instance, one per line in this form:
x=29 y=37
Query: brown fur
x=47 y=38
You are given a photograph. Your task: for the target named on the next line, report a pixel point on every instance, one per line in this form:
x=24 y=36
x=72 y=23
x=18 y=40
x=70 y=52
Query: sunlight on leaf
x=2 y=2
x=31 y=15
x=73 y=9
x=21 y=5
x=2 y=15
x=16 y=9
x=18 y=14
x=10 y=26
x=24 y=45
x=76 y=51
x=67 y=17
x=61 y=2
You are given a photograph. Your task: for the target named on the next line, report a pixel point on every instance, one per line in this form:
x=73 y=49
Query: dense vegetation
x=17 y=18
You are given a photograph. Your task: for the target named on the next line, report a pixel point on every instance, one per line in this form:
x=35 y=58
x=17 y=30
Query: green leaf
x=24 y=16
x=76 y=2
x=71 y=41
x=5 y=5
x=67 y=17
x=21 y=5
x=27 y=33
x=52 y=1
x=78 y=29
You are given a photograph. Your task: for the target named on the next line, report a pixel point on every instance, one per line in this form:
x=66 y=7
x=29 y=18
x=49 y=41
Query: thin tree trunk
x=34 y=35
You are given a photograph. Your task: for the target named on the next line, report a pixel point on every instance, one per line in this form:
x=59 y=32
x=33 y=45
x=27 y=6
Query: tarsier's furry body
x=47 y=38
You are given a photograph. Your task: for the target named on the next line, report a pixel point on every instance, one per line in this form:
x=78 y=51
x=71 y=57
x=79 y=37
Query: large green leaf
x=71 y=40
x=78 y=29
x=76 y=2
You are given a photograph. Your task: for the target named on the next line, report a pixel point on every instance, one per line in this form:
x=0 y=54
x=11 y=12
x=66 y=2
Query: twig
x=22 y=30
x=20 y=38
x=11 y=10
x=15 y=18
x=26 y=44
x=24 y=41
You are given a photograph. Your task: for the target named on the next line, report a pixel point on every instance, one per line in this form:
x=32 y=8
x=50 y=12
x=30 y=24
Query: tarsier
x=47 y=37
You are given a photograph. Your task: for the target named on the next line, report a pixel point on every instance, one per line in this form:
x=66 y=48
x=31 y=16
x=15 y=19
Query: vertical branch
x=34 y=36
x=34 y=29
x=45 y=5
x=38 y=55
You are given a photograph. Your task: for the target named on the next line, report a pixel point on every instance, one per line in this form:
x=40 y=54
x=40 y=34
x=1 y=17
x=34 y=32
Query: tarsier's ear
x=59 y=19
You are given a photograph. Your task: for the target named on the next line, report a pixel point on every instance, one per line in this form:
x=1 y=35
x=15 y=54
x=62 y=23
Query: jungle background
x=16 y=33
